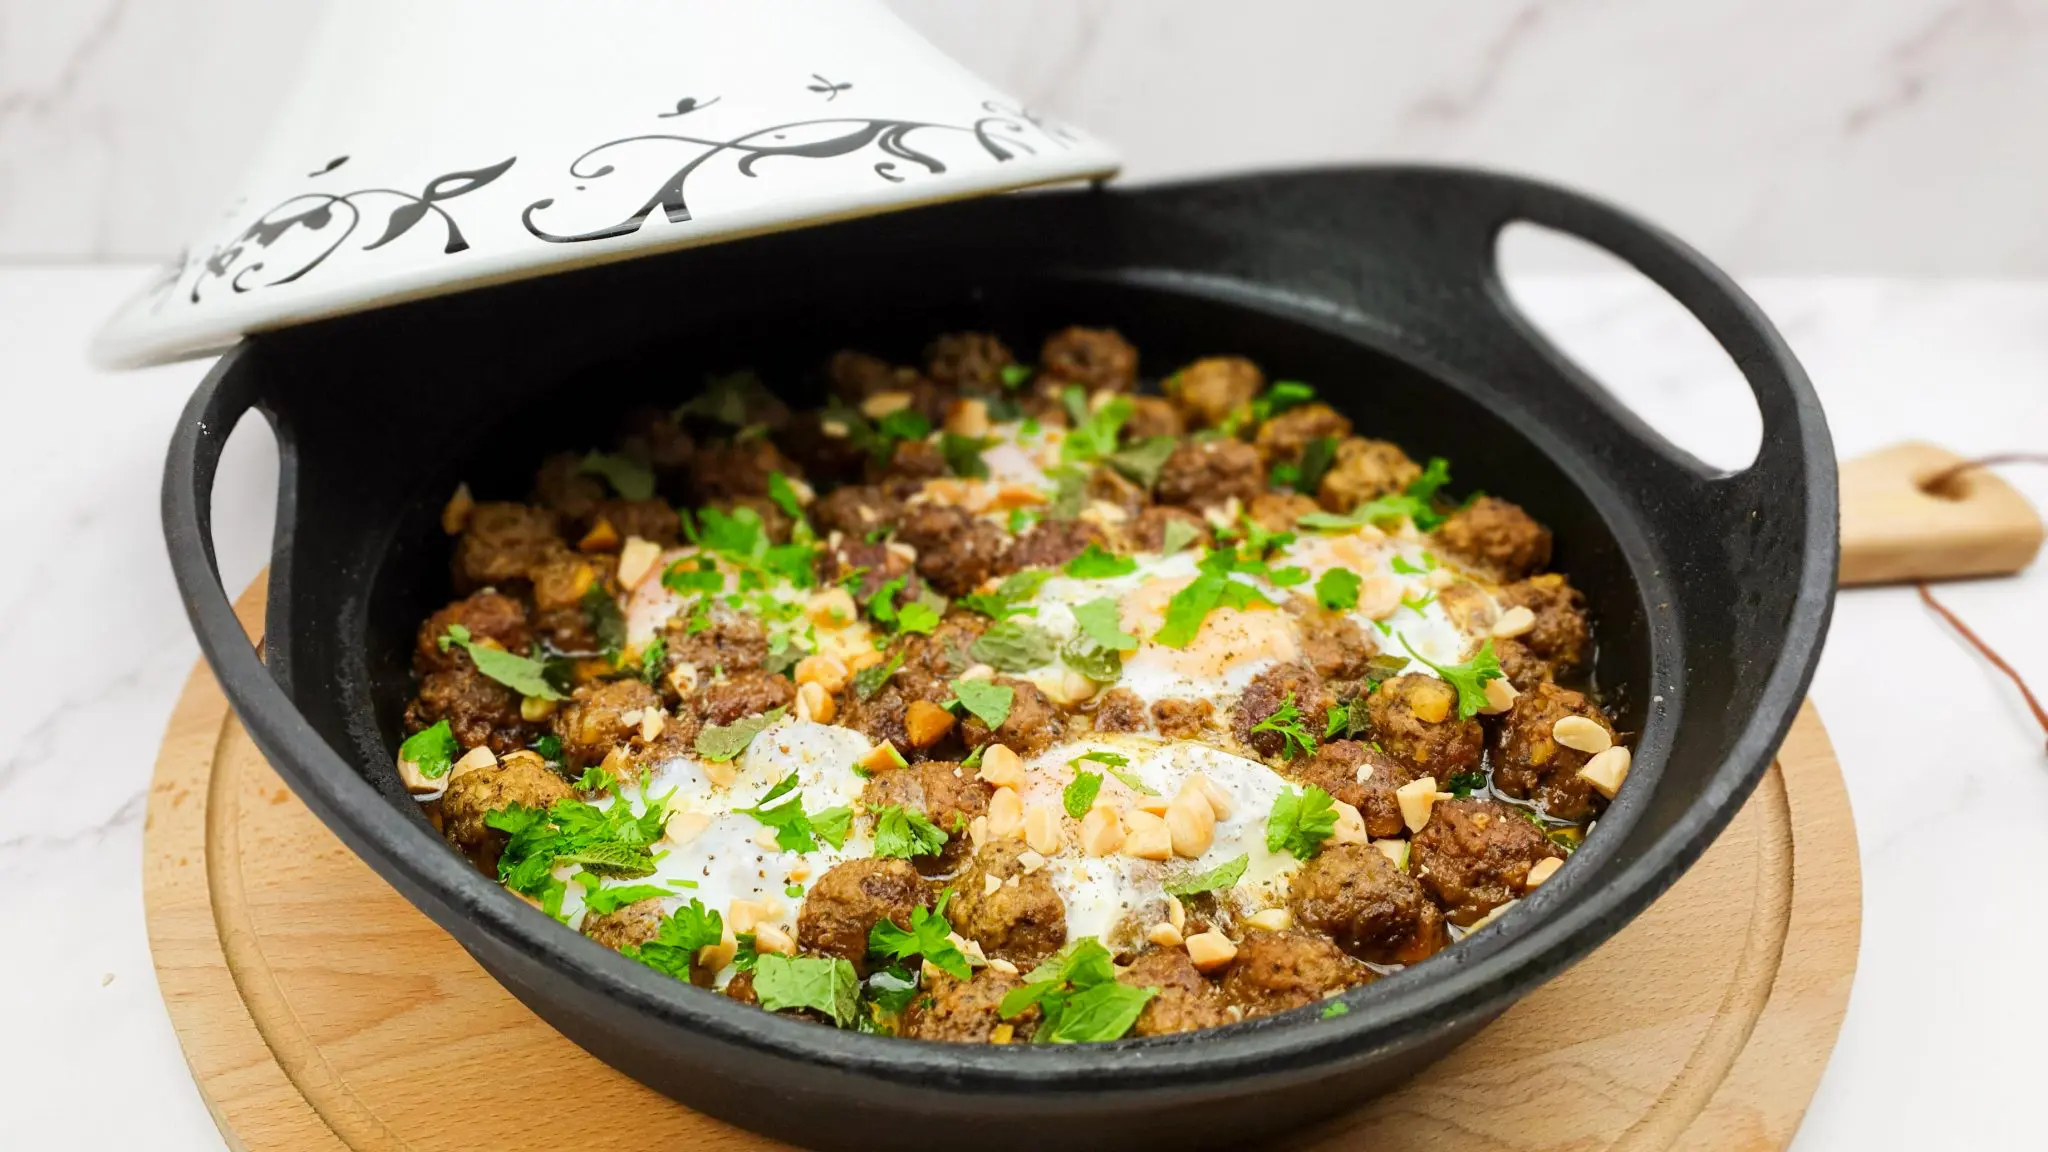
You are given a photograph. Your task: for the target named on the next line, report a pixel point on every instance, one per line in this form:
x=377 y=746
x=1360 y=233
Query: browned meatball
x=855 y=376
x=1154 y=416
x=1209 y=473
x=1556 y=645
x=1148 y=532
x=880 y=717
x=1277 y=511
x=1287 y=435
x=728 y=642
x=969 y=360
x=655 y=436
x=1354 y=895
x=956 y=550
x=479 y=710
x=1359 y=776
x=1051 y=543
x=1529 y=763
x=737 y=695
x=948 y=795
x=877 y=563
x=478 y=793
x=823 y=447
x=628 y=927
x=910 y=464
x=1119 y=710
x=1333 y=644
x=723 y=470
x=1179 y=719
x=593 y=722
x=1094 y=358
x=563 y=487
x=648 y=519
x=487 y=615
x=1186 y=999
x=1415 y=719
x=1365 y=470
x=1493 y=534
x=844 y=905
x=561 y=580
x=965 y=1011
x=1269 y=692
x=501 y=545
x=1278 y=971
x=931 y=662
x=858 y=510
x=1032 y=726
x=1022 y=922
x=1210 y=391
x=1475 y=855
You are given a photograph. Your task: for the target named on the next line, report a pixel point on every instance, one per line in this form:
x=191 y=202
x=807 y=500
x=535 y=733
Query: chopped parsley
x=784 y=494
x=782 y=808
x=1094 y=434
x=1079 y=796
x=1097 y=650
x=1078 y=995
x=1416 y=503
x=1300 y=822
x=1095 y=563
x=741 y=538
x=1224 y=875
x=988 y=701
x=826 y=986
x=549 y=746
x=1462 y=784
x=906 y=832
x=1016 y=375
x=1211 y=589
x=1014 y=646
x=1279 y=397
x=609 y=841
x=630 y=478
x=596 y=779
x=1304 y=475
x=522 y=674
x=681 y=936
x=1337 y=589
x=605 y=901
x=1469 y=678
x=1402 y=565
x=1286 y=721
x=1334 y=1009
x=719 y=742
x=929 y=937
x=431 y=750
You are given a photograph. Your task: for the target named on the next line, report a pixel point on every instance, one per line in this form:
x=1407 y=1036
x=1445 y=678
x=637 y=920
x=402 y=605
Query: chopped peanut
x=1164 y=935
x=1042 y=828
x=455 y=513
x=1514 y=622
x=1416 y=798
x=826 y=672
x=990 y=884
x=637 y=559
x=1500 y=696
x=472 y=760
x=716 y=956
x=968 y=418
x=652 y=722
x=1005 y=814
x=1001 y=767
x=1029 y=861
x=769 y=938
x=1606 y=770
x=681 y=826
x=831 y=608
x=1350 y=824
x=1581 y=734
x=1394 y=850
x=744 y=915
x=1219 y=800
x=882 y=757
x=1147 y=837
x=1271 y=919
x=1176 y=913
x=1190 y=824
x=1210 y=951
x=815 y=704
x=536 y=708
x=1542 y=870
x=1101 y=832
x=883 y=403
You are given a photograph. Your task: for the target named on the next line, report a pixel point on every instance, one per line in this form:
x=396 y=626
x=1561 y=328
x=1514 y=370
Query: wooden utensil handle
x=1894 y=529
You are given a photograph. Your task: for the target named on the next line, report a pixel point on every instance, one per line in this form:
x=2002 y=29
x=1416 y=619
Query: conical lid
x=431 y=147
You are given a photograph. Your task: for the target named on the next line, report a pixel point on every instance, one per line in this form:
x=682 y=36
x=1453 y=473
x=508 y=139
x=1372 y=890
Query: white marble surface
x=1946 y=773
x=1884 y=136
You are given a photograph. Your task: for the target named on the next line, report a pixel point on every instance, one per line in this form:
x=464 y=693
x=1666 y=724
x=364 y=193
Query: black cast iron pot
x=1710 y=592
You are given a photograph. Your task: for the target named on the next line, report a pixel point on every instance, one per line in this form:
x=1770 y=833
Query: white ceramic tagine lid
x=436 y=145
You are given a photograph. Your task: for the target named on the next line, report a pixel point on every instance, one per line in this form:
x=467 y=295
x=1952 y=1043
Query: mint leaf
x=832 y=825
x=680 y=937
x=784 y=494
x=605 y=901
x=1177 y=535
x=1316 y=459
x=1014 y=646
x=826 y=986
x=1103 y=1012
x=963 y=454
x=1094 y=563
x=870 y=679
x=1142 y=462
x=1010 y=598
x=719 y=742
x=1224 y=875
x=432 y=750
x=928 y=937
x=1101 y=620
x=628 y=477
x=1079 y=796
x=989 y=701
x=782 y=808
x=525 y=676
x=607 y=622
x=1300 y=822
x=1337 y=589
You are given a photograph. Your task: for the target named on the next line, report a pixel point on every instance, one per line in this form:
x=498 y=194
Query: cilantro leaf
x=929 y=937
x=905 y=833
x=1193 y=603
x=1224 y=875
x=1286 y=721
x=1101 y=621
x=1142 y=462
x=1334 y=1009
x=693 y=574
x=1016 y=375
x=917 y=616
x=988 y=701
x=963 y=454
x=1435 y=475
x=653 y=659
x=1337 y=589
x=1117 y=765
x=431 y=750
x=523 y=675
x=782 y=808
x=1103 y=1012
x=1079 y=996
x=1300 y=822
x=1279 y=397
x=630 y=478
x=1014 y=646
x=1094 y=434
x=1338 y=720
x=605 y=901
x=1010 y=598
x=832 y=825
x=719 y=742
x=783 y=493
x=827 y=986
x=1095 y=563
x=611 y=840
x=681 y=936
x=1469 y=678
x=1316 y=459
x=549 y=746
x=1079 y=796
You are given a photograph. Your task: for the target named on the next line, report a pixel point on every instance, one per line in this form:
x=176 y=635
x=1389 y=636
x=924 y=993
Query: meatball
x=1287 y=436
x=1032 y=726
x=1360 y=776
x=931 y=662
x=968 y=360
x=1051 y=543
x=1210 y=391
x=1333 y=644
x=730 y=468
x=849 y=899
x=594 y=721
x=948 y=795
x=1556 y=645
x=1154 y=416
x=737 y=695
x=1529 y=763
x=1277 y=511
x=1474 y=856
x=956 y=550
x=1094 y=358
x=479 y=710
x=648 y=519
x=1354 y=895
x=823 y=448
x=1278 y=971
x=910 y=464
x=1493 y=534
x=501 y=545
x=1179 y=719
x=487 y=615
x=858 y=510
x=655 y=436
x=965 y=1011
x=563 y=487
x=627 y=927
x=1186 y=999
x=1269 y=692
x=561 y=580
x=855 y=376
x=877 y=563
x=1210 y=473
x=726 y=642
x=1021 y=919
x=476 y=794
x=1119 y=710
x=1365 y=470
x=1415 y=719
x=1148 y=532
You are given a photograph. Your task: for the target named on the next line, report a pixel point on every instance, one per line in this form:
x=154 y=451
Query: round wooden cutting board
x=319 y=1010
